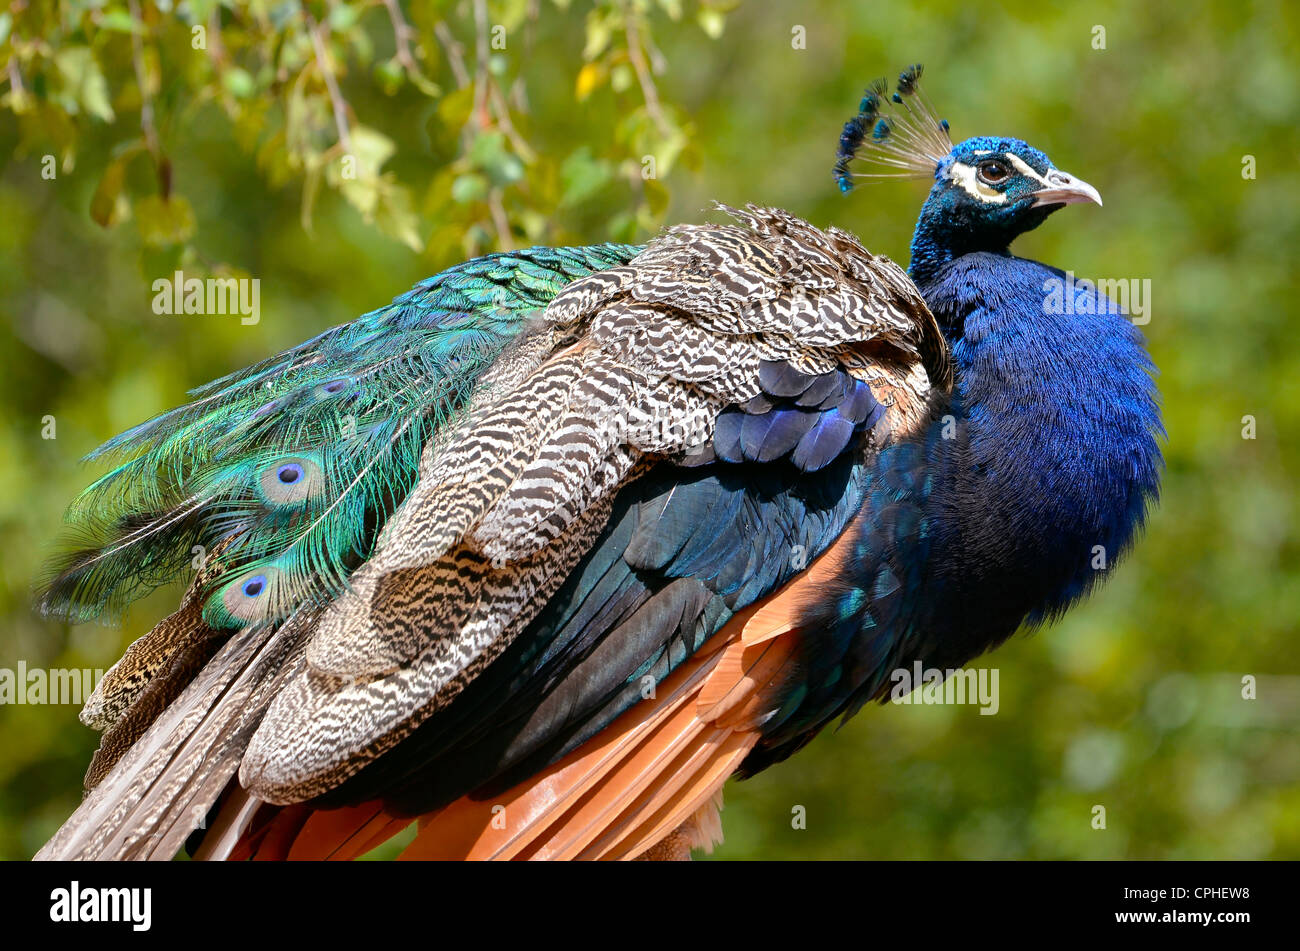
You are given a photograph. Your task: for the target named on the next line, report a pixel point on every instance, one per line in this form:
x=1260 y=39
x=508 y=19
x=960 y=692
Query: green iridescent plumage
x=280 y=476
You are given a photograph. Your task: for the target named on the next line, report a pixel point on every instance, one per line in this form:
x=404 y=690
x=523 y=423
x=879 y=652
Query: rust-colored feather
x=655 y=773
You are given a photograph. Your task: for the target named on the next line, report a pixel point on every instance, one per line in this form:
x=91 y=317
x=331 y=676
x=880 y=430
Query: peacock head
x=987 y=190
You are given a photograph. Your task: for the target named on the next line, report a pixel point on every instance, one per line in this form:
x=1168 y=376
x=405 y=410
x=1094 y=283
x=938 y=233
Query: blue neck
x=949 y=228
x=1054 y=459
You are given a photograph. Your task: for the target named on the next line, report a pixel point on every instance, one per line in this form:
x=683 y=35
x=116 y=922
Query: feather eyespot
x=265 y=409
x=290 y=481
x=244 y=600
x=332 y=388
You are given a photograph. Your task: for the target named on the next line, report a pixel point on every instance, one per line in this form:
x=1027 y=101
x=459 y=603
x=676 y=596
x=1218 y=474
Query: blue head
x=986 y=192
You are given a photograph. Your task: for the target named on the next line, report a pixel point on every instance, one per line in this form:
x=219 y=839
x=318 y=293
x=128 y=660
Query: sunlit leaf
x=711 y=22
x=583 y=176
x=119 y=21
x=621 y=78
x=164 y=221
x=468 y=188
x=589 y=79
x=104 y=203
x=600 y=31
x=84 y=82
x=371 y=148
x=396 y=218
x=238 y=82
x=390 y=75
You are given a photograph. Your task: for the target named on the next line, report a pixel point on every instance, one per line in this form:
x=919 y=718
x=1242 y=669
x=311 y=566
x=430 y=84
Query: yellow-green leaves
x=356 y=172
x=164 y=221
x=106 y=205
x=378 y=196
x=422 y=121
x=582 y=176
x=81 y=84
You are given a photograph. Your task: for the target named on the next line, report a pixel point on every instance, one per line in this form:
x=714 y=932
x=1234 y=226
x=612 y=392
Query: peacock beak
x=1064 y=189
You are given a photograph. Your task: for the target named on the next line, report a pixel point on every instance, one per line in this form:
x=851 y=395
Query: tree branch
x=336 y=98
x=146 y=100
x=455 y=53
x=643 y=77
x=480 y=63
x=402 y=34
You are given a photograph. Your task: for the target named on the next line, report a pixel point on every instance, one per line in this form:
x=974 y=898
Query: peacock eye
x=992 y=173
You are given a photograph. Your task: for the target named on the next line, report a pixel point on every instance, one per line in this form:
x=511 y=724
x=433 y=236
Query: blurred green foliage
x=458 y=146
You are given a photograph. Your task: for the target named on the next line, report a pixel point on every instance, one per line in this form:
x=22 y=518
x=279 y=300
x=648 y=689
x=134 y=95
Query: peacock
x=546 y=550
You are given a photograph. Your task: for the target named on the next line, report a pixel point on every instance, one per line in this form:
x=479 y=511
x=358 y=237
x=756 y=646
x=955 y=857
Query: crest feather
x=899 y=131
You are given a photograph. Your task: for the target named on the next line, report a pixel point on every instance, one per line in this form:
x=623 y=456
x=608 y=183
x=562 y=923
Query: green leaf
x=371 y=149
x=456 y=107
x=511 y=13
x=469 y=188
x=673 y=8
x=83 y=82
x=396 y=219
x=711 y=22
x=582 y=176
x=488 y=152
x=238 y=82
x=600 y=30
x=104 y=209
x=589 y=78
x=200 y=10
x=163 y=222
x=343 y=17
x=310 y=188
x=390 y=75
x=424 y=84
x=119 y=21
x=668 y=149
x=621 y=78
x=362 y=194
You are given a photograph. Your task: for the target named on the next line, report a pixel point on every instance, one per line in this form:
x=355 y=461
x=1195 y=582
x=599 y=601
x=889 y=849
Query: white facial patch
x=964 y=175
x=1020 y=166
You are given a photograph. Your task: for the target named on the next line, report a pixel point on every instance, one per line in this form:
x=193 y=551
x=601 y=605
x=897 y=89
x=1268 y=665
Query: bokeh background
x=1134 y=702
